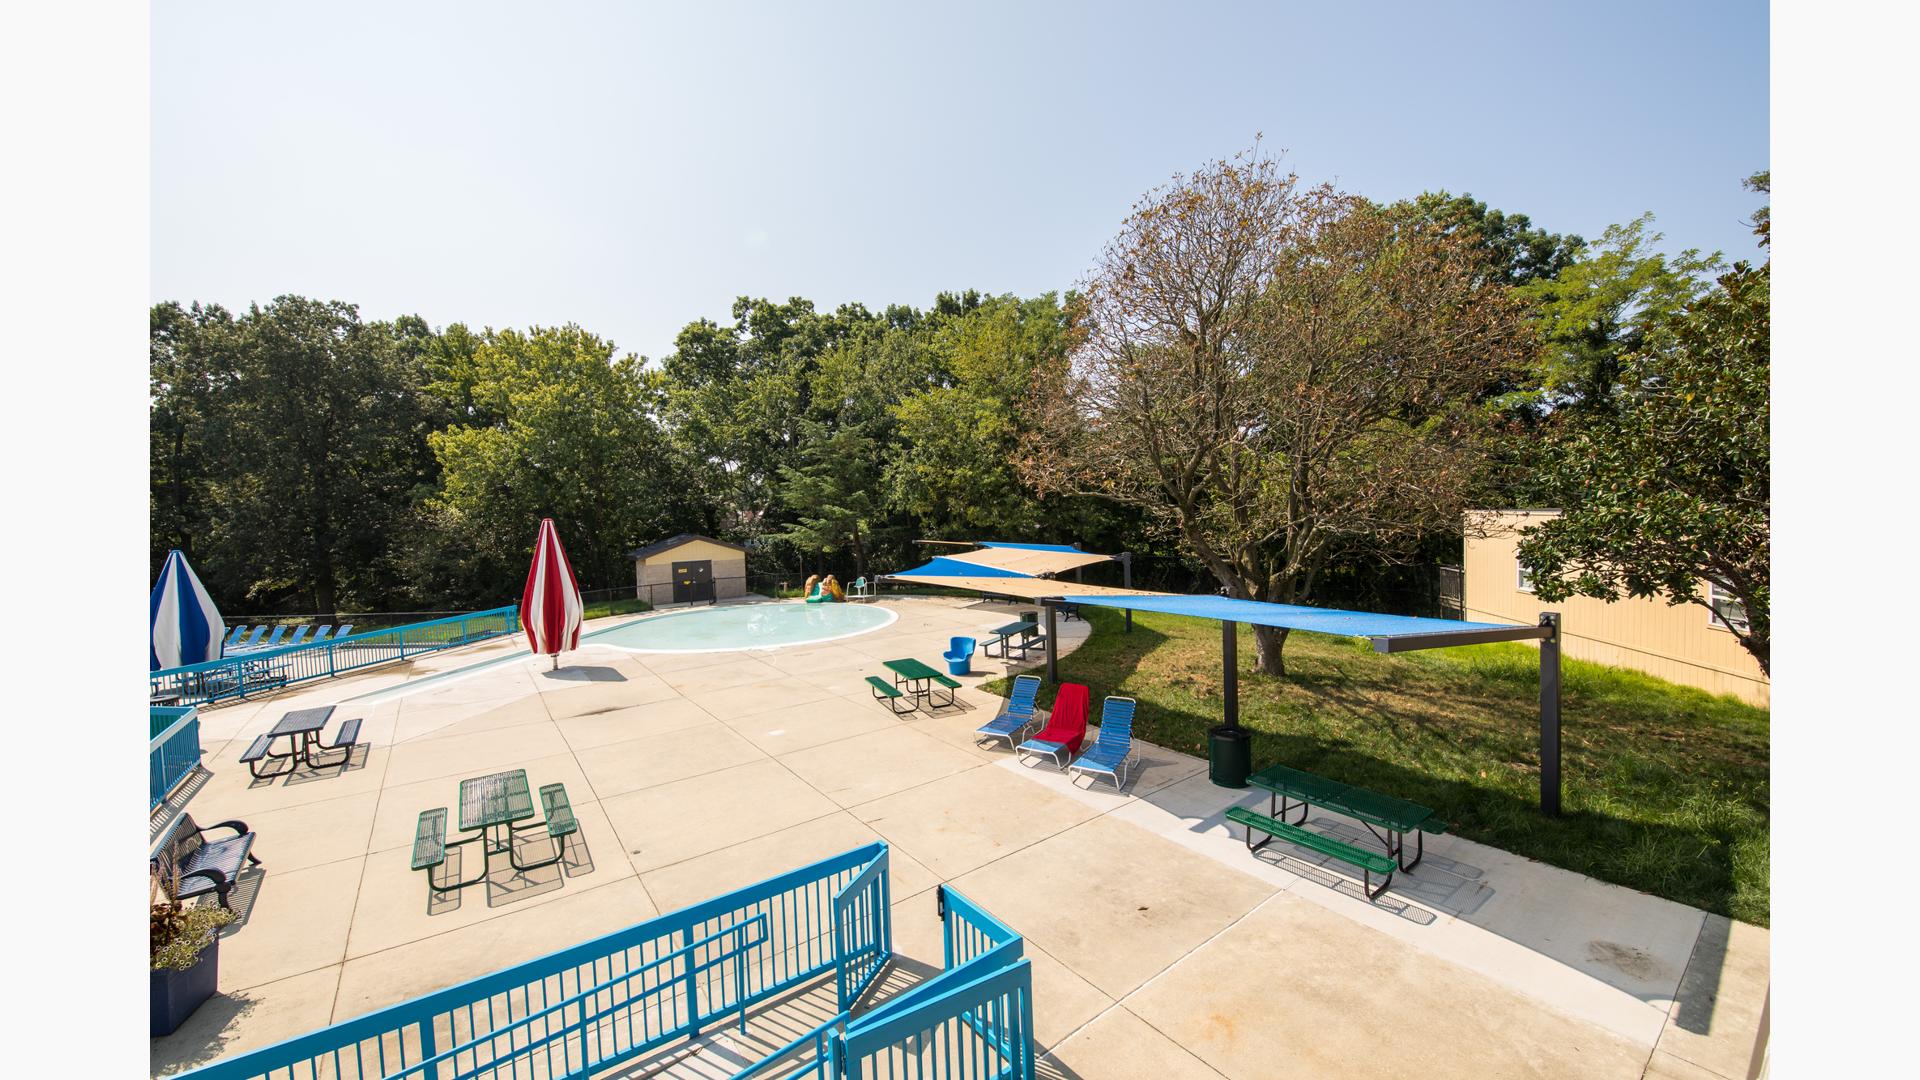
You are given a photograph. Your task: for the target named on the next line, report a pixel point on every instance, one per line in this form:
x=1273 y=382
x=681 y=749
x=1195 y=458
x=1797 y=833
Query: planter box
x=177 y=993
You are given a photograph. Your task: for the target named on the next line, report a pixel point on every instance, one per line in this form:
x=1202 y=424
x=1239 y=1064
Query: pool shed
x=689 y=569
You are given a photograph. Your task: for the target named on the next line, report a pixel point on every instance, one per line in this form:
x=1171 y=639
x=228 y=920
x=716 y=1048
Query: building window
x=1522 y=577
x=1727 y=612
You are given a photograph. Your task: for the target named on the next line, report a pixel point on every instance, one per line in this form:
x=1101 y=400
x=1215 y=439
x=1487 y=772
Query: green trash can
x=1229 y=756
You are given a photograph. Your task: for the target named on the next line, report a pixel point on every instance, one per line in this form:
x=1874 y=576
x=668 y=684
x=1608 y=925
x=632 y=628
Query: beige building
x=1683 y=643
x=688 y=569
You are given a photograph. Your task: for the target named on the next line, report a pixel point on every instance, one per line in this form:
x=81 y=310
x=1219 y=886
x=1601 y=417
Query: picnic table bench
x=920 y=680
x=491 y=808
x=1387 y=818
x=1027 y=629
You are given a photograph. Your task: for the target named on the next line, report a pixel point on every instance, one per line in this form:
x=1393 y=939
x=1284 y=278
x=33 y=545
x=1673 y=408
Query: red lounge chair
x=1066 y=727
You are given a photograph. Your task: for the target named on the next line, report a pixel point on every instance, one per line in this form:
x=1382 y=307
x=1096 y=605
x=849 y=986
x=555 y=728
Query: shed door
x=692 y=581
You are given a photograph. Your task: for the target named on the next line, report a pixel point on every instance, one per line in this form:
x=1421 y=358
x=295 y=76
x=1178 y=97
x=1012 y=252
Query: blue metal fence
x=174 y=751
x=603 y=1003
x=270 y=669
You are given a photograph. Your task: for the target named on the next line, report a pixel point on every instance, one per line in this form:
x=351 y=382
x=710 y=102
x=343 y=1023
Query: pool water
x=747 y=626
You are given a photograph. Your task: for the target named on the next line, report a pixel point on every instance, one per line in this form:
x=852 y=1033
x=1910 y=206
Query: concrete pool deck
x=1160 y=947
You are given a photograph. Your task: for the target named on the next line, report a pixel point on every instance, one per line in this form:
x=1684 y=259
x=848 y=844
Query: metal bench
x=889 y=693
x=560 y=819
x=1369 y=862
x=430 y=839
x=204 y=866
x=255 y=753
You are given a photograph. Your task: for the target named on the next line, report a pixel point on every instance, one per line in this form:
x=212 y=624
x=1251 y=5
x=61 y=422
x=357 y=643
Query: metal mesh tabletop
x=496 y=799
x=1299 y=785
x=911 y=669
x=1383 y=810
x=301 y=721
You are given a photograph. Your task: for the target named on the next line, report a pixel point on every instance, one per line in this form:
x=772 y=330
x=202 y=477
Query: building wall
x=1679 y=643
x=654 y=574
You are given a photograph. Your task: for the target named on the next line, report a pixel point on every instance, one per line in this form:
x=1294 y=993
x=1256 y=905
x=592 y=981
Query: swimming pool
x=747 y=626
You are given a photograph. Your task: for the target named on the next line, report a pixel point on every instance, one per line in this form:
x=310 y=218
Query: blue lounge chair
x=345 y=629
x=253 y=640
x=300 y=635
x=278 y=633
x=1112 y=753
x=959 y=656
x=233 y=639
x=320 y=634
x=1016 y=716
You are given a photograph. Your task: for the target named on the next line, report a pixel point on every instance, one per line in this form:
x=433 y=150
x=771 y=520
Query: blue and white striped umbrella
x=187 y=628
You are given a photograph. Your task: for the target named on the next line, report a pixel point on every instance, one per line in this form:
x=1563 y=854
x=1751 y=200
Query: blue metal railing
x=174 y=751
x=600 y=1004
x=603 y=1002
x=246 y=673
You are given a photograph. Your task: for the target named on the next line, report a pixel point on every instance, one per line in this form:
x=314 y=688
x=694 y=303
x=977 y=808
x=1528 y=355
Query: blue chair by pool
x=233 y=639
x=345 y=629
x=252 y=640
x=300 y=635
x=1112 y=753
x=278 y=633
x=959 y=656
x=1016 y=716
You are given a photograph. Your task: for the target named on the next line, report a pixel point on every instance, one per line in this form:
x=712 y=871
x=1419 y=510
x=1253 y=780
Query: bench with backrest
x=1369 y=862
x=201 y=865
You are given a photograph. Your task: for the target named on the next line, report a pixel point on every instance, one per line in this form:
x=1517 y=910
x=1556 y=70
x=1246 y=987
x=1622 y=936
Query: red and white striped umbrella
x=550 y=606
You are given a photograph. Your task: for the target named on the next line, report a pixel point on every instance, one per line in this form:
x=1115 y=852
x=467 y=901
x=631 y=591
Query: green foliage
x=1671 y=488
x=1513 y=251
x=553 y=425
x=1601 y=307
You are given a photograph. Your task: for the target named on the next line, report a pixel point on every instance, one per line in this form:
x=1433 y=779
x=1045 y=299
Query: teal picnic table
x=1003 y=635
x=492 y=807
x=1387 y=818
x=920 y=679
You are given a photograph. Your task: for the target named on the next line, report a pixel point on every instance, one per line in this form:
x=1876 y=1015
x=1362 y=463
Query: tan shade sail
x=1027 y=560
x=1025 y=588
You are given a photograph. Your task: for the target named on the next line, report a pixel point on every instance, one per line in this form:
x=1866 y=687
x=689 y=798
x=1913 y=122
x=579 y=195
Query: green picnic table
x=1381 y=814
x=920 y=680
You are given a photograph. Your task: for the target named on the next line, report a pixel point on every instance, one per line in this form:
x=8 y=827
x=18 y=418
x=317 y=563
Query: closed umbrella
x=550 y=606
x=187 y=628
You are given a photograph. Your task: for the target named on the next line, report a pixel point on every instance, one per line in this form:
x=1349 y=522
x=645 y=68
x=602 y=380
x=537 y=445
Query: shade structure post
x=1229 y=748
x=1550 y=715
x=1126 y=581
x=1053 y=651
x=1230 y=674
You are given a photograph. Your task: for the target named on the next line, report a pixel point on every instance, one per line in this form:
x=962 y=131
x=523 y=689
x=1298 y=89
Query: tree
x=556 y=427
x=1270 y=371
x=1670 y=490
x=1601 y=307
x=1514 y=252
x=834 y=493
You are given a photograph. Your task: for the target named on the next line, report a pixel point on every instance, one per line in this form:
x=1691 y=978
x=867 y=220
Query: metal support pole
x=1126 y=581
x=1230 y=658
x=1053 y=654
x=1550 y=715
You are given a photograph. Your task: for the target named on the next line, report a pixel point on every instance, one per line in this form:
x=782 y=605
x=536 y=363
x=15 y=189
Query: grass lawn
x=600 y=609
x=1665 y=785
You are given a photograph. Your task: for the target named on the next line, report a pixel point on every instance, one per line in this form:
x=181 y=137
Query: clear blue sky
x=633 y=167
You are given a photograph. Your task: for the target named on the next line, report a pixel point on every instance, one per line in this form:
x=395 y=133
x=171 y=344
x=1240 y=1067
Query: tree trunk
x=1267 y=643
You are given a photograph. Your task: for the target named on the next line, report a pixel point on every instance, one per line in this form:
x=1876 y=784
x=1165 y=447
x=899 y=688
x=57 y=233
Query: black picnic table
x=1381 y=814
x=1003 y=635
x=303 y=726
